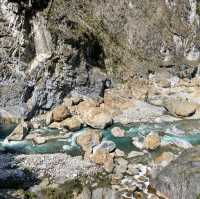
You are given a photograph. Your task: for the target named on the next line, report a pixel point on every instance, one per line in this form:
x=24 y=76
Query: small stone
x=152 y=141
x=119 y=153
x=134 y=154
x=120 y=169
x=107 y=145
x=73 y=124
x=132 y=170
x=118 y=132
x=137 y=143
x=60 y=113
x=122 y=161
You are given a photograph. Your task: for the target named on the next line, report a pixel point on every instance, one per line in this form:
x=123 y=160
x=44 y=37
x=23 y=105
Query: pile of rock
x=128 y=178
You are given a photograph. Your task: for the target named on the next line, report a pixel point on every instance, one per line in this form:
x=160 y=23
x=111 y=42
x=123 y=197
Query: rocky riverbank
x=126 y=140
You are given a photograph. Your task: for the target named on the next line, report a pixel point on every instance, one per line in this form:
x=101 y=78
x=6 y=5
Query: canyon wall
x=54 y=48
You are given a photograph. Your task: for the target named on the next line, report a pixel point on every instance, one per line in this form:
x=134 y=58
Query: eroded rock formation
x=54 y=48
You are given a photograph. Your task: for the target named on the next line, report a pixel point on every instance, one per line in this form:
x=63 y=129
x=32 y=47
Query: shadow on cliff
x=13 y=177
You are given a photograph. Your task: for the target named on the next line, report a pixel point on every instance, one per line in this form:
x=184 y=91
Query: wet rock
x=72 y=124
x=180 y=108
x=137 y=143
x=107 y=145
x=181 y=174
x=118 y=132
x=152 y=141
x=39 y=140
x=19 y=132
x=60 y=113
x=89 y=139
x=134 y=154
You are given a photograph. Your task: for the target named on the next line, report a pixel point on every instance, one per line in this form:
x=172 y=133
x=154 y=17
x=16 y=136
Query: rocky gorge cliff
x=55 y=48
x=99 y=99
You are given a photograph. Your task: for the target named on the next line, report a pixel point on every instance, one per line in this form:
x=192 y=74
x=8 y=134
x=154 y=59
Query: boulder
x=72 y=124
x=118 y=132
x=60 y=113
x=20 y=132
x=179 y=107
x=97 y=118
x=181 y=178
x=84 y=106
x=89 y=139
x=152 y=141
x=103 y=157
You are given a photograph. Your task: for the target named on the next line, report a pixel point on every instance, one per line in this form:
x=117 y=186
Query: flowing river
x=183 y=133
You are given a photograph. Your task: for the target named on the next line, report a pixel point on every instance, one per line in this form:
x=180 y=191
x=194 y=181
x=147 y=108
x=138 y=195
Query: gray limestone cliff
x=54 y=48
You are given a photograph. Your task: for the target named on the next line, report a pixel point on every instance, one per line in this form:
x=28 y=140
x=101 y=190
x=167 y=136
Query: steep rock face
x=38 y=67
x=180 y=180
x=54 y=48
